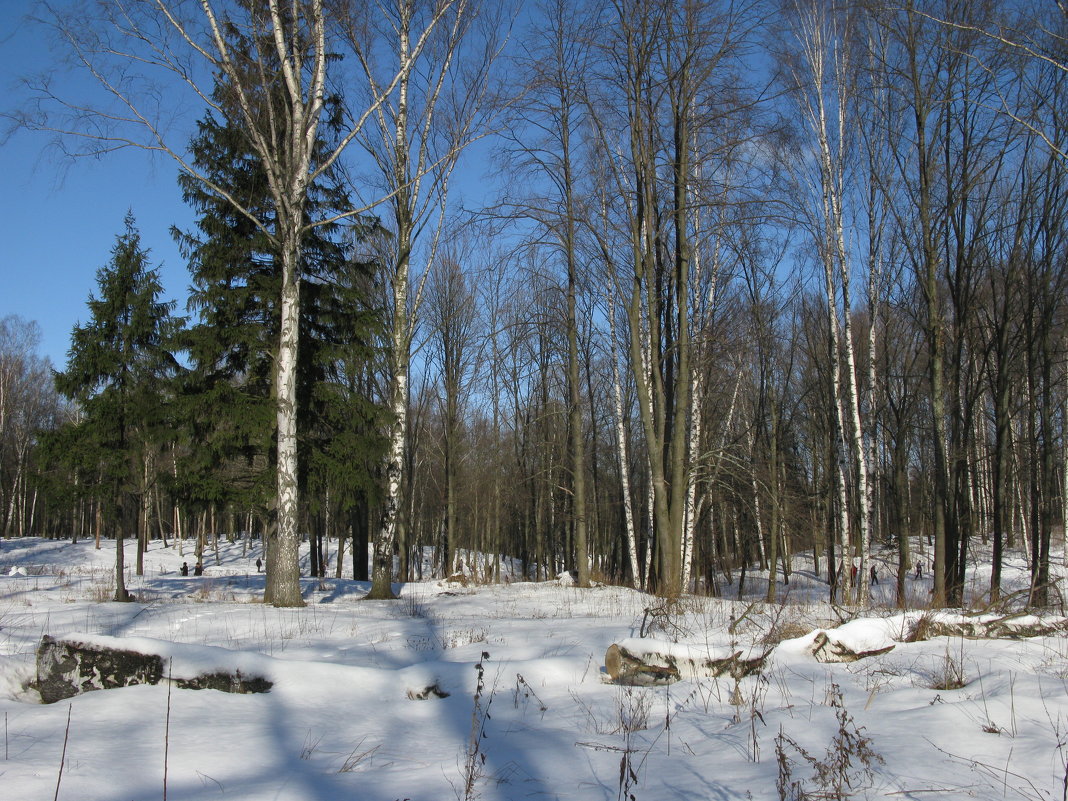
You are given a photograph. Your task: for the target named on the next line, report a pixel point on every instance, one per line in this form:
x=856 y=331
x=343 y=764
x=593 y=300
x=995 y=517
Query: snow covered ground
x=339 y=722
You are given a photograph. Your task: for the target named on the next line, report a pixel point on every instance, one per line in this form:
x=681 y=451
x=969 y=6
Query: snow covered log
x=986 y=627
x=69 y=667
x=644 y=661
x=827 y=650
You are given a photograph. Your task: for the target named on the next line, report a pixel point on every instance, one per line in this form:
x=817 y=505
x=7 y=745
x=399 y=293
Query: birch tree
x=622 y=451
x=426 y=74
x=824 y=87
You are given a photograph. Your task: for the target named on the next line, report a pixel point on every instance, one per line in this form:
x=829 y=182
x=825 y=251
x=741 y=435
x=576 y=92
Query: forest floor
x=947 y=717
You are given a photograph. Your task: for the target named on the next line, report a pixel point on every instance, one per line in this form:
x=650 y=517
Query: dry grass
x=948 y=674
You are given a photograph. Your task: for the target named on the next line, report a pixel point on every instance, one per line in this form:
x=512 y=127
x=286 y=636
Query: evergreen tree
x=342 y=435
x=227 y=400
x=117 y=371
x=236 y=281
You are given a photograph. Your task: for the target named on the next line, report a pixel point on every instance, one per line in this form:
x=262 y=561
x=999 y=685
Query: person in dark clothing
x=874 y=576
x=259 y=565
x=185 y=569
x=198 y=570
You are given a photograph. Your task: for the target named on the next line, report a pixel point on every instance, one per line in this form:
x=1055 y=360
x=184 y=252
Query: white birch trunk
x=692 y=510
x=845 y=579
x=860 y=451
x=284 y=578
x=621 y=452
x=406 y=156
x=400 y=349
x=756 y=504
x=820 y=41
x=651 y=523
x=874 y=291
x=382 y=558
x=759 y=523
x=10 y=519
x=704 y=316
x=33 y=512
x=177 y=514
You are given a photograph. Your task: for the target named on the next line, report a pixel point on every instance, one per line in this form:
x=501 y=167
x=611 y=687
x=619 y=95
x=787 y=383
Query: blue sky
x=59 y=218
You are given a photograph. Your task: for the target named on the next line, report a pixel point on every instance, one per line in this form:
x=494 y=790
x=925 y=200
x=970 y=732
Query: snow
x=340 y=721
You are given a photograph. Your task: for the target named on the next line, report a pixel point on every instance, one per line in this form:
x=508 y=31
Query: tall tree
x=232 y=340
x=451 y=311
x=669 y=99
x=117 y=368
x=432 y=110
x=825 y=86
x=542 y=150
x=236 y=274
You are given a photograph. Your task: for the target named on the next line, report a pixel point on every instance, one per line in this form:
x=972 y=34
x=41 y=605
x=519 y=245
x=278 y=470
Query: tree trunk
x=773 y=502
x=121 y=593
x=382 y=558
x=283 y=578
x=630 y=532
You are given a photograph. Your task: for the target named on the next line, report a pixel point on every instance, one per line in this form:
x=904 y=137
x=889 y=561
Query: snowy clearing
x=944 y=718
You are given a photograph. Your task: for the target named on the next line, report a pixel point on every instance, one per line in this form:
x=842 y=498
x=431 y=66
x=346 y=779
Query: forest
x=746 y=280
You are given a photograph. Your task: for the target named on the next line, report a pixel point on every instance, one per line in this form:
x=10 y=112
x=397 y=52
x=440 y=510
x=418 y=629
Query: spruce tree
x=343 y=431
x=227 y=402
x=236 y=280
x=117 y=371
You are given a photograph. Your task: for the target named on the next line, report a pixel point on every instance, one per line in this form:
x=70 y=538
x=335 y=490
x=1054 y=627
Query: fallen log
x=1011 y=627
x=827 y=650
x=69 y=667
x=651 y=662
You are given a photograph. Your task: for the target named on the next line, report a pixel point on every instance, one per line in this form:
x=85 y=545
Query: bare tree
x=824 y=84
x=666 y=101
x=451 y=312
x=542 y=150
x=28 y=402
x=426 y=62
x=1035 y=34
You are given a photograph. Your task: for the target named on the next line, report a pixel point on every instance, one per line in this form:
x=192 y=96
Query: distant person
x=185 y=569
x=919 y=569
x=874 y=575
x=198 y=570
x=259 y=565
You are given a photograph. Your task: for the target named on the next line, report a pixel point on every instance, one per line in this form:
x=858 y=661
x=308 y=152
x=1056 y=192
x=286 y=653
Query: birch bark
x=415 y=156
x=826 y=98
